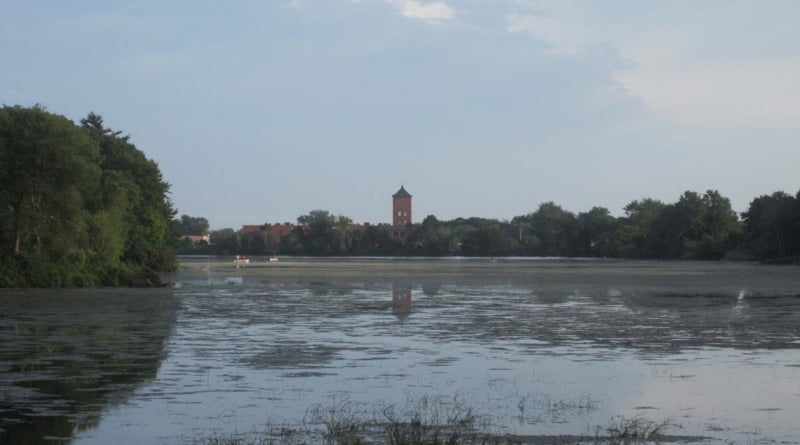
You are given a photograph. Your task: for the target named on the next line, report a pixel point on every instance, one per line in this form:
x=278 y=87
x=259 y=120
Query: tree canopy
x=79 y=205
x=695 y=227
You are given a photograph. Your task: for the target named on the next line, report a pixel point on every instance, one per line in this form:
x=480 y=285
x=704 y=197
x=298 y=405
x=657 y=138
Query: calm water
x=535 y=347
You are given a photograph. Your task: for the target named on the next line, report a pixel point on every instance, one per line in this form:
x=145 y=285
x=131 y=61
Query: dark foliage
x=79 y=205
x=696 y=227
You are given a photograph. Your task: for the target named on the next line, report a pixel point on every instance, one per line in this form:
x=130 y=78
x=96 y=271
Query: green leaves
x=78 y=204
x=772 y=226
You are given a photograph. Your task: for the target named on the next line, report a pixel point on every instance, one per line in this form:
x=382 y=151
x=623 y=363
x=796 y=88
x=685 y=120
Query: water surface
x=535 y=347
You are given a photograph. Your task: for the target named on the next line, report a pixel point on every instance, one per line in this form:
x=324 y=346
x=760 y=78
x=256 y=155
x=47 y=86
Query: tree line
x=80 y=205
x=696 y=227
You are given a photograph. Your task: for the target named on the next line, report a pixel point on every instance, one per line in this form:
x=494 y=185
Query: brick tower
x=401 y=208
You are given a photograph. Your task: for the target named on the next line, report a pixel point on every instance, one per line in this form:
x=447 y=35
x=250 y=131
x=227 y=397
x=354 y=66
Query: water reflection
x=545 y=348
x=68 y=355
x=431 y=288
x=401 y=300
x=645 y=321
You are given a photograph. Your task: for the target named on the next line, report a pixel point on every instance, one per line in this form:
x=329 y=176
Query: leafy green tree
x=486 y=240
x=720 y=230
x=596 y=228
x=695 y=227
x=374 y=240
x=272 y=243
x=676 y=227
x=555 y=229
x=48 y=167
x=432 y=237
x=48 y=173
x=252 y=243
x=342 y=240
x=191 y=225
x=771 y=226
x=524 y=240
x=633 y=237
x=292 y=244
x=150 y=232
x=320 y=238
x=78 y=205
x=225 y=242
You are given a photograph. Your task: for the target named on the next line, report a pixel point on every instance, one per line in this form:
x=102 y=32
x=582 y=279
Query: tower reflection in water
x=401 y=300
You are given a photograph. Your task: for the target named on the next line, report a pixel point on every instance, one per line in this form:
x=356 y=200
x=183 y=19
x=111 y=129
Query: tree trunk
x=15 y=211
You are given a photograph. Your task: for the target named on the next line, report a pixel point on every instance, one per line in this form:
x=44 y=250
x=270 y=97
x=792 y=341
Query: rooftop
x=402 y=193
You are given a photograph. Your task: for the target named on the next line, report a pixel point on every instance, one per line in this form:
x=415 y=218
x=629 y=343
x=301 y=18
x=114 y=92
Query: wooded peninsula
x=80 y=205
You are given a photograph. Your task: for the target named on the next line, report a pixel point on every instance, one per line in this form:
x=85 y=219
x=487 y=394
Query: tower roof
x=402 y=193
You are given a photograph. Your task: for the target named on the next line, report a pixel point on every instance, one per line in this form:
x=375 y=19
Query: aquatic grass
x=541 y=408
x=636 y=428
x=269 y=436
x=419 y=430
x=433 y=421
x=344 y=424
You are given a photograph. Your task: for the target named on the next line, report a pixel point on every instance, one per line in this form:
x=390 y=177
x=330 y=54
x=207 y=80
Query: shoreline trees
x=79 y=205
x=695 y=227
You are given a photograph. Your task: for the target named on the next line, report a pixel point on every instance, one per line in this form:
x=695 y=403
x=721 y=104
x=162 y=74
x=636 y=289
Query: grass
x=342 y=421
x=635 y=429
x=270 y=436
x=427 y=421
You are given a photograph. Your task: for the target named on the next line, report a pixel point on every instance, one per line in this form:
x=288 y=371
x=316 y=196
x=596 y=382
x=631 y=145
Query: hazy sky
x=260 y=111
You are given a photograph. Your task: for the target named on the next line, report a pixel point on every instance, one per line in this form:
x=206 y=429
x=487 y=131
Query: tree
x=48 y=175
x=720 y=229
x=48 y=167
x=677 y=227
x=78 y=205
x=191 y=225
x=633 y=237
x=770 y=226
x=555 y=230
x=320 y=237
x=150 y=231
x=373 y=240
x=272 y=242
x=596 y=228
x=432 y=237
x=342 y=240
x=225 y=242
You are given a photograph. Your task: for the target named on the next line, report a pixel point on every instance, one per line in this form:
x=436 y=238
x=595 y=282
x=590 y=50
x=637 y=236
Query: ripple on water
x=539 y=347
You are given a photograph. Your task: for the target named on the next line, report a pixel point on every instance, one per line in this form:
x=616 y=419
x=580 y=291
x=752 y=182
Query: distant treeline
x=697 y=227
x=79 y=204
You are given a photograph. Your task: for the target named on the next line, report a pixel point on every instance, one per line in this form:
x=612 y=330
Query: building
x=401 y=208
x=400 y=226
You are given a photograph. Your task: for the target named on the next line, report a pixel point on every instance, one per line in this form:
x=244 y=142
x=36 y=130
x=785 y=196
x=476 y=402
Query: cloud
x=548 y=30
x=709 y=66
x=433 y=12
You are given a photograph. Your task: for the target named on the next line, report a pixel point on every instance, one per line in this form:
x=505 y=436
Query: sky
x=261 y=111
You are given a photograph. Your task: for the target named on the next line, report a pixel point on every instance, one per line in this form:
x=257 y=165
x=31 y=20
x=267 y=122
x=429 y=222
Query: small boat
x=272 y=259
x=241 y=261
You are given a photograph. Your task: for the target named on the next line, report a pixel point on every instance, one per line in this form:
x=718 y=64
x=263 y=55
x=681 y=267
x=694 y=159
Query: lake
x=529 y=347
